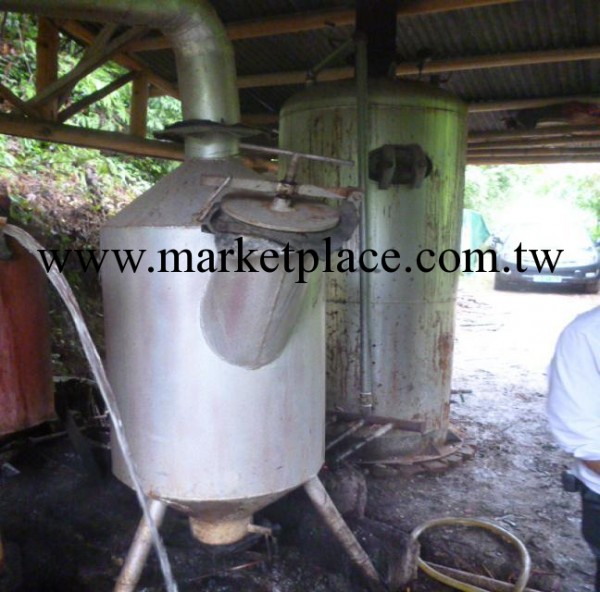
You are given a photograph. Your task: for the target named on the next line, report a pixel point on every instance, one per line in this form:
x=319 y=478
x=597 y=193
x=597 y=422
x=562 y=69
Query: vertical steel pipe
x=362 y=144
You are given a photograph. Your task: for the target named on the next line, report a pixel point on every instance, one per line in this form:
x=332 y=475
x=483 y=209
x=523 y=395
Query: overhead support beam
x=560 y=131
x=268 y=119
x=67 y=134
x=122 y=143
x=13 y=125
x=537 y=143
x=518 y=104
x=534 y=159
x=434 y=67
x=7 y=95
x=46 y=73
x=260 y=119
x=522 y=152
x=310 y=21
x=94 y=97
x=80 y=33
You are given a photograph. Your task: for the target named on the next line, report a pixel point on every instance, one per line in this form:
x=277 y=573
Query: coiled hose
x=521 y=582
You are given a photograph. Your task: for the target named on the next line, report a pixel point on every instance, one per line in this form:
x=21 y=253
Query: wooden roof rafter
x=287 y=24
x=459 y=64
x=53 y=91
x=123 y=58
x=104 y=47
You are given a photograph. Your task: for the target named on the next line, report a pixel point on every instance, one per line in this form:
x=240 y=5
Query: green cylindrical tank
x=411 y=312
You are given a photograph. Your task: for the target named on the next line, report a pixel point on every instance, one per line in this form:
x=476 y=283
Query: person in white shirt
x=573 y=408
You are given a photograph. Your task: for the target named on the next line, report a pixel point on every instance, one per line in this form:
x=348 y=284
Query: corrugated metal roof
x=529 y=25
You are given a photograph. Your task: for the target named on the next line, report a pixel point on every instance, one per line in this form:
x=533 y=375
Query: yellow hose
x=501 y=532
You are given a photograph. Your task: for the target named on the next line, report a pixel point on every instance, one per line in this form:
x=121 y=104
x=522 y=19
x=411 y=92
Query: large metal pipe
x=203 y=52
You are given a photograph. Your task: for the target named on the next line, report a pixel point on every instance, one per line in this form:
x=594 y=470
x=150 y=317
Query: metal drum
x=26 y=389
x=412 y=313
x=219 y=376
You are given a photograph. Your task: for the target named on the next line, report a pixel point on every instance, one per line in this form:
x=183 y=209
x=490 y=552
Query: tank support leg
x=138 y=552
x=326 y=508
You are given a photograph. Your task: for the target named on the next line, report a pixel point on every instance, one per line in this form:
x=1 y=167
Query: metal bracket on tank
x=399 y=164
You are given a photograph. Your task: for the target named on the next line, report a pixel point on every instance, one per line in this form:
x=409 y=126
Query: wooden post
x=47 y=63
x=140 y=93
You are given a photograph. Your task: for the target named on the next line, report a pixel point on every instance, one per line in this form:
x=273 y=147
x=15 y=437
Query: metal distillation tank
x=411 y=314
x=219 y=376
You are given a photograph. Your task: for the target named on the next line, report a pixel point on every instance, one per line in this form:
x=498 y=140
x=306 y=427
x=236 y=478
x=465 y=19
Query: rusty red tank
x=26 y=389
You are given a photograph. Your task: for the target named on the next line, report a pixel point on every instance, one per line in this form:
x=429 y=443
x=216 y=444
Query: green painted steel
x=411 y=313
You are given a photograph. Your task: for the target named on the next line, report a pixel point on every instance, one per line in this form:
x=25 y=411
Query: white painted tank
x=220 y=377
x=412 y=313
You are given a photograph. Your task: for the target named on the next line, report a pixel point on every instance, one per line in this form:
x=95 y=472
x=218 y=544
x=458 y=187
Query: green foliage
x=511 y=193
x=120 y=175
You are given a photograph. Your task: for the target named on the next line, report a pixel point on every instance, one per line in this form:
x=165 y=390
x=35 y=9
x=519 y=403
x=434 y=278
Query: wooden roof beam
x=287 y=24
x=533 y=103
x=96 y=96
x=556 y=131
x=508 y=152
x=97 y=54
x=536 y=143
x=557 y=159
x=83 y=35
x=8 y=95
x=60 y=133
x=510 y=60
x=270 y=119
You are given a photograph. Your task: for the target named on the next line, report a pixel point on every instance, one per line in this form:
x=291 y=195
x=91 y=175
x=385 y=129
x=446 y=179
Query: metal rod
x=138 y=552
x=282 y=152
x=353 y=428
x=346 y=47
x=327 y=510
x=373 y=436
x=362 y=97
x=408 y=425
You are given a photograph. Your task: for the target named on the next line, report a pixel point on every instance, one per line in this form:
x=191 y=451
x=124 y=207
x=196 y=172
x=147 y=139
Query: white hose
x=97 y=368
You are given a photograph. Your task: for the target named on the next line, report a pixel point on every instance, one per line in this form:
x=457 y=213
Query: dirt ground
x=65 y=531
x=504 y=342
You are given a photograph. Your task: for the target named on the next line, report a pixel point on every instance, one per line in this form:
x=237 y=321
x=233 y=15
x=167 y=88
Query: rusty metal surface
x=208 y=435
x=412 y=313
x=26 y=390
x=400 y=424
